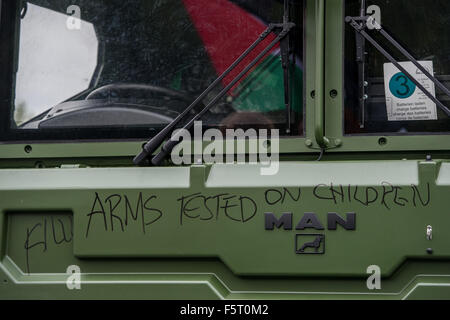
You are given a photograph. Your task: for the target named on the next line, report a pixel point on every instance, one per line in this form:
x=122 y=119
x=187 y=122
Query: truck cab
x=317 y=165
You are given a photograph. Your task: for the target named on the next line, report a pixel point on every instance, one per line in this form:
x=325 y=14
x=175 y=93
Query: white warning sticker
x=404 y=100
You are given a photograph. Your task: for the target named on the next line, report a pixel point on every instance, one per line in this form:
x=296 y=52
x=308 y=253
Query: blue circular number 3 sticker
x=401 y=86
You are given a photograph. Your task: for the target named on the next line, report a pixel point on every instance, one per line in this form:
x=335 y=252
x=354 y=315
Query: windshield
x=389 y=101
x=135 y=65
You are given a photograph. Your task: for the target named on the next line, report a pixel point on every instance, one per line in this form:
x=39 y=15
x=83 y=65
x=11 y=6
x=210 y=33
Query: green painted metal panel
x=117 y=228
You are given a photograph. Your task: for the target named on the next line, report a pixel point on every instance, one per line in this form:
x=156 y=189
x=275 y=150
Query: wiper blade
x=370 y=21
x=156 y=141
x=286 y=64
x=151 y=146
x=361 y=55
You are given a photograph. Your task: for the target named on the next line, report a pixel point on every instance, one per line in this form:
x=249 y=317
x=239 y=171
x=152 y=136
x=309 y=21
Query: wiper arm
x=361 y=55
x=286 y=64
x=151 y=146
x=370 y=21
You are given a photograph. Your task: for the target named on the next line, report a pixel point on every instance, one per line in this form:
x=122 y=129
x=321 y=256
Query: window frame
x=334 y=107
x=115 y=147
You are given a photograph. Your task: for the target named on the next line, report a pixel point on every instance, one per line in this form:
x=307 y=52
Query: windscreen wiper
x=361 y=23
x=152 y=145
x=361 y=55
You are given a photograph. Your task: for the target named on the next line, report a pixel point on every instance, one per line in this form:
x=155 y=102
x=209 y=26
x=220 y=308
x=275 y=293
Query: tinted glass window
x=393 y=103
x=108 y=69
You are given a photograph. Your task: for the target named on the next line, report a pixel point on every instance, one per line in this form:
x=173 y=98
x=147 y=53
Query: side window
x=379 y=97
x=108 y=69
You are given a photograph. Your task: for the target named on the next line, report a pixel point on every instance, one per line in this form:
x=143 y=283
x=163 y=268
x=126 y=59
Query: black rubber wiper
x=361 y=23
x=151 y=146
x=361 y=61
x=286 y=64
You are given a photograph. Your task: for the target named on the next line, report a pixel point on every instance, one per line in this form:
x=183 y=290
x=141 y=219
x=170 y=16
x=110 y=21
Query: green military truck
x=224 y=149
